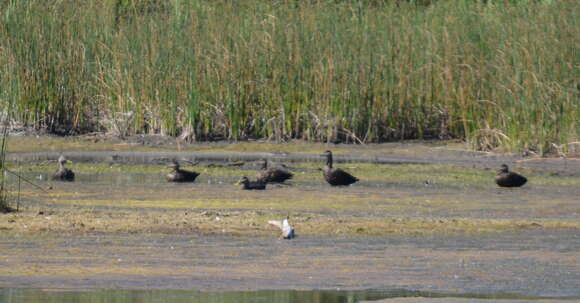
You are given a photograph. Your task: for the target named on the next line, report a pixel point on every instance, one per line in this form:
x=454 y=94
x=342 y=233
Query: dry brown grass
x=245 y=223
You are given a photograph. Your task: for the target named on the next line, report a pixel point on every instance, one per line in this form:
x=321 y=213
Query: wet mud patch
x=534 y=262
x=387 y=200
x=159 y=149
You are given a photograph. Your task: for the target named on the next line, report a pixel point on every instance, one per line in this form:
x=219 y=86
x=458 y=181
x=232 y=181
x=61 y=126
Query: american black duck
x=63 y=173
x=506 y=178
x=284 y=225
x=336 y=176
x=273 y=174
x=180 y=175
x=251 y=185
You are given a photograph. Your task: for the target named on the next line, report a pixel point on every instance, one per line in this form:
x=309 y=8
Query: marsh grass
x=500 y=75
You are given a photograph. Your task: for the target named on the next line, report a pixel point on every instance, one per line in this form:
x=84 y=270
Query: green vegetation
x=496 y=73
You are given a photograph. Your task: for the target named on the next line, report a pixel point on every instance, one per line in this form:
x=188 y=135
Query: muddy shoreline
x=566 y=166
x=427 y=218
x=532 y=263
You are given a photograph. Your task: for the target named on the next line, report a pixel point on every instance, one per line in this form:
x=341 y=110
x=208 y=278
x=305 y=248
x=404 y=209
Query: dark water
x=13 y=295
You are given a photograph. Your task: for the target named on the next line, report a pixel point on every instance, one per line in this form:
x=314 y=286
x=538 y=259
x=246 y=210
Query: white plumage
x=287 y=229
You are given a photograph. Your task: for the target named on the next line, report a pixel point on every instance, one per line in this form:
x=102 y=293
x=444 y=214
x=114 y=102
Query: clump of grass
x=498 y=74
x=244 y=223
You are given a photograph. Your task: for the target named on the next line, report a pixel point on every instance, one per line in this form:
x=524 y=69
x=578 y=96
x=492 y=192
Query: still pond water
x=12 y=295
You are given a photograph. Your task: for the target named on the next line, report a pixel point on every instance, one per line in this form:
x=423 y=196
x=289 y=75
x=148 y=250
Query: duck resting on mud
x=180 y=175
x=63 y=173
x=273 y=174
x=336 y=176
x=251 y=185
x=506 y=178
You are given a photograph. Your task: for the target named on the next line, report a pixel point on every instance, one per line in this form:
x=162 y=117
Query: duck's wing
x=274 y=175
x=510 y=179
x=64 y=175
x=192 y=174
x=277 y=223
x=182 y=176
x=70 y=175
x=281 y=175
x=263 y=176
x=339 y=177
x=287 y=230
x=258 y=185
x=517 y=179
x=57 y=175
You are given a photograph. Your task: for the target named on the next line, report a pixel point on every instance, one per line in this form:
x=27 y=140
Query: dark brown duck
x=63 y=173
x=251 y=185
x=506 y=178
x=180 y=175
x=273 y=174
x=336 y=176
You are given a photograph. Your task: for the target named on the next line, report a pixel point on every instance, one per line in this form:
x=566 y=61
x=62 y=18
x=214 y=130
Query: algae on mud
x=532 y=262
x=388 y=200
x=441 y=174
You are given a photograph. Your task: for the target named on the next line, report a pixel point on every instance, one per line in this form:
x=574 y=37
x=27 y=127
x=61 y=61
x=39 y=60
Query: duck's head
x=243 y=180
x=503 y=168
x=173 y=165
x=62 y=159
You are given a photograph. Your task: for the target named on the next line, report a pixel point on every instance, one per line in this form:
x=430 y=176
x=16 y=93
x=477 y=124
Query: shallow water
x=541 y=263
x=13 y=295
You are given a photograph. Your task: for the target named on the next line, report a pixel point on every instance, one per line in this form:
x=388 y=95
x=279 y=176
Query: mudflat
x=439 y=225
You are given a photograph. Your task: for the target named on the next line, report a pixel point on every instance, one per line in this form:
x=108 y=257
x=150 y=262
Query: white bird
x=287 y=230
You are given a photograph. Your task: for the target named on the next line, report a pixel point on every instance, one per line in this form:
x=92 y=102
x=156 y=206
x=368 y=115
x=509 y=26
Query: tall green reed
x=498 y=74
x=4 y=203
